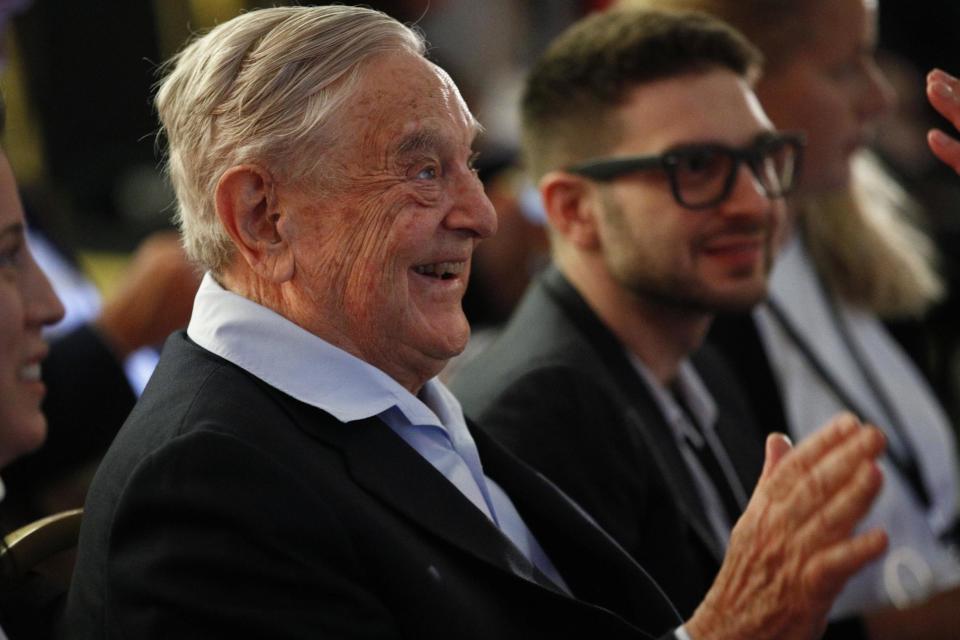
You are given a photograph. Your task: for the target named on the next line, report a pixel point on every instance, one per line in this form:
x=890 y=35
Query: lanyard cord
x=906 y=461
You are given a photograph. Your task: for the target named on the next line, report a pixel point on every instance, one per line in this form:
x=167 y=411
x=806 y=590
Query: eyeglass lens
x=704 y=176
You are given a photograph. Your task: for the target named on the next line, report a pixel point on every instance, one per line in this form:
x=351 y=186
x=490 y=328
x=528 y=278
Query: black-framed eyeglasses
x=703 y=175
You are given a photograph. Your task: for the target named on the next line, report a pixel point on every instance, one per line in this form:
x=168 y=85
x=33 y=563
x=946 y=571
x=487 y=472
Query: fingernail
x=848 y=423
x=939 y=137
x=942 y=89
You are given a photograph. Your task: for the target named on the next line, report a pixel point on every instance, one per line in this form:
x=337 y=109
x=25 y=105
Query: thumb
x=778 y=445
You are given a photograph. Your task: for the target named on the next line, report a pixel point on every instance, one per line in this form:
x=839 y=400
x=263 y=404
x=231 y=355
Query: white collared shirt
x=317 y=373
x=704 y=410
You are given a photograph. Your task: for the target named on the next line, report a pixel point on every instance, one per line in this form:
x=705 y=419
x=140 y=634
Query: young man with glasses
x=663 y=181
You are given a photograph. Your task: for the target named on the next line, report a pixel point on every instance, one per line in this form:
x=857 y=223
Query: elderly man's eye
x=427 y=173
x=472 y=162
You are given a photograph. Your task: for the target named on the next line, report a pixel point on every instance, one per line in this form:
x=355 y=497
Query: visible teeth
x=30 y=373
x=440 y=269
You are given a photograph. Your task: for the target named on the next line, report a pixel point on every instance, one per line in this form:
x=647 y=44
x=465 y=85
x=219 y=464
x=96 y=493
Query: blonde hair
x=868 y=246
x=265 y=87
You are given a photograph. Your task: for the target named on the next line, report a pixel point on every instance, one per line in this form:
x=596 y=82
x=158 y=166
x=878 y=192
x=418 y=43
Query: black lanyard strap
x=905 y=461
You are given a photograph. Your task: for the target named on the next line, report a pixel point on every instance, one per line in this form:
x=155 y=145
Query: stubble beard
x=690 y=294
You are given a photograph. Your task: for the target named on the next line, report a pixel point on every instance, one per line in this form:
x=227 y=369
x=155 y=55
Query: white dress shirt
x=306 y=367
x=704 y=409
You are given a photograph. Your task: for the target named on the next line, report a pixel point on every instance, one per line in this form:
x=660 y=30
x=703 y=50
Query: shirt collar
x=303 y=365
x=689 y=384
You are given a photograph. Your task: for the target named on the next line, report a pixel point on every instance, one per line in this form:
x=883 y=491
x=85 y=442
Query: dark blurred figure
x=933 y=341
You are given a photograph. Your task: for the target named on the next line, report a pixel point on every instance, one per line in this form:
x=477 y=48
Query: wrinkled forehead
x=402 y=93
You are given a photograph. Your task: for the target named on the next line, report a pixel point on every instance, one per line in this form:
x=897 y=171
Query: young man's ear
x=247 y=208
x=572 y=208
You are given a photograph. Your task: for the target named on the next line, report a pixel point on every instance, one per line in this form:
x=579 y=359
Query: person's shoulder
x=194 y=393
x=509 y=375
x=731 y=333
x=192 y=387
x=538 y=344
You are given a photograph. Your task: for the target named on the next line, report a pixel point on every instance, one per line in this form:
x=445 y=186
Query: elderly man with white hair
x=295 y=470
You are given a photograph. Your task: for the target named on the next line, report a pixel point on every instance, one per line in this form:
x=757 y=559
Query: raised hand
x=154 y=298
x=943 y=91
x=793 y=550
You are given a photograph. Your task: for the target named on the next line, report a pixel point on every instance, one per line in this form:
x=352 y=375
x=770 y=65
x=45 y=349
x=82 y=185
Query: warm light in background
x=22 y=137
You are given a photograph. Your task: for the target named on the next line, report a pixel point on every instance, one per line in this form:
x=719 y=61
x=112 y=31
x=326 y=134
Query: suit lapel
x=595 y=567
x=741 y=438
x=640 y=408
x=386 y=467
x=737 y=338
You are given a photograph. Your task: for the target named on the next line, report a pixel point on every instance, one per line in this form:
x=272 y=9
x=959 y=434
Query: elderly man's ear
x=572 y=207
x=247 y=208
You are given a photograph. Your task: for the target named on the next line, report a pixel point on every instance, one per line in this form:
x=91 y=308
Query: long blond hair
x=868 y=245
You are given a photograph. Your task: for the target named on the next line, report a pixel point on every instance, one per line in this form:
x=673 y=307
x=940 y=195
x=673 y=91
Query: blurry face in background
x=27 y=304
x=831 y=88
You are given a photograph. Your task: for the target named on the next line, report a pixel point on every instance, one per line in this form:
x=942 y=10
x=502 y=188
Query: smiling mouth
x=441 y=270
x=735 y=246
x=30 y=372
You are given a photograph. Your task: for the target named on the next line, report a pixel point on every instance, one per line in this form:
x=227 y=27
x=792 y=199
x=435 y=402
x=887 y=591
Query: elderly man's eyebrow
x=426 y=140
x=420 y=141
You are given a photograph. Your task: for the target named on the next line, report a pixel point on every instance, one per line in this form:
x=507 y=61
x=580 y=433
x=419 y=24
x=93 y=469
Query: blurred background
x=78 y=75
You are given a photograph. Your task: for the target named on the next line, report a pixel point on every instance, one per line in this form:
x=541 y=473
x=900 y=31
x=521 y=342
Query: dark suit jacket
x=227 y=509
x=558 y=390
x=736 y=337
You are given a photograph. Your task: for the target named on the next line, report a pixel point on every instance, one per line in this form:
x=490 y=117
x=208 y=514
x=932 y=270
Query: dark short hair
x=588 y=70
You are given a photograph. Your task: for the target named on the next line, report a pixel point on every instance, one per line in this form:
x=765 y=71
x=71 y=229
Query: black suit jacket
x=227 y=509
x=558 y=390
x=737 y=338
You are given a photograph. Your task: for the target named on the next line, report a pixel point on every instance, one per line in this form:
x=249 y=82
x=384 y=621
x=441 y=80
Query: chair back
x=36 y=565
x=29 y=546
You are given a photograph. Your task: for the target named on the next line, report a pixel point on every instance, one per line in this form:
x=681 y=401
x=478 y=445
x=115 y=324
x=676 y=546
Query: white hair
x=265 y=87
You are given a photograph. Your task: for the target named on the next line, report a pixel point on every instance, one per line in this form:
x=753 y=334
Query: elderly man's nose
x=472 y=211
